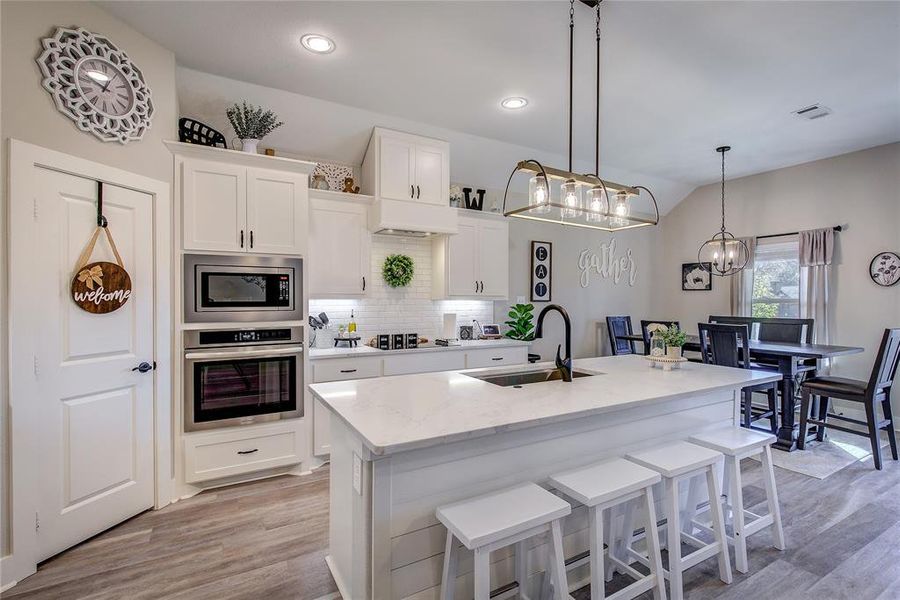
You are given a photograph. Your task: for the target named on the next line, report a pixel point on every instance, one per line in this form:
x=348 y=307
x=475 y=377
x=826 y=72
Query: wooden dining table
x=788 y=358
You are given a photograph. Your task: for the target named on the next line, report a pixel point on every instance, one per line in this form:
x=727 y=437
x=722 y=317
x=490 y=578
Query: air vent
x=813 y=111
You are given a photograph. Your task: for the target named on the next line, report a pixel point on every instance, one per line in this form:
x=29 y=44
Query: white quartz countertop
x=407 y=412
x=361 y=350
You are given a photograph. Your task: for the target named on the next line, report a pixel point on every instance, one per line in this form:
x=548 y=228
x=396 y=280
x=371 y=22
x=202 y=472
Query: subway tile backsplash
x=399 y=310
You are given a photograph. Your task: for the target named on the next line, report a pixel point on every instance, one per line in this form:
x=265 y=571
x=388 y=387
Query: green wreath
x=397 y=270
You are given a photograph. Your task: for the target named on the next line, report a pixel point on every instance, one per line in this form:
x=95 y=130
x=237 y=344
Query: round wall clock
x=885 y=268
x=96 y=85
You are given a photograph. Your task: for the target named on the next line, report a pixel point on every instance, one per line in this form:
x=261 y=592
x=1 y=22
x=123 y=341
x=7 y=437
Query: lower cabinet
x=407 y=363
x=241 y=450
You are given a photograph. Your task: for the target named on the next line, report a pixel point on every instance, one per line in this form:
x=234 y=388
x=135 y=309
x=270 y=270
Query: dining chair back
x=645 y=323
x=720 y=344
x=885 y=369
x=619 y=326
x=785 y=330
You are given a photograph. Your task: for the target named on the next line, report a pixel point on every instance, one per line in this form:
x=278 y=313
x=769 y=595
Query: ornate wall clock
x=95 y=84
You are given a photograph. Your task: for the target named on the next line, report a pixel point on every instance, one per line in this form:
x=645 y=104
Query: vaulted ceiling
x=679 y=78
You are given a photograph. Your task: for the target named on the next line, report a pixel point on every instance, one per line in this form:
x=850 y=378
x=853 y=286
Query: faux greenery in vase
x=674 y=338
x=397 y=270
x=521 y=326
x=251 y=124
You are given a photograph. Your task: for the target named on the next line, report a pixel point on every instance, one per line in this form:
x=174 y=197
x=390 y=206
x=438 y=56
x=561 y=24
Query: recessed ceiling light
x=317 y=43
x=514 y=102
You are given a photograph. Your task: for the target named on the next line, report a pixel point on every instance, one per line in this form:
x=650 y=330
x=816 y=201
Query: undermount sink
x=520 y=378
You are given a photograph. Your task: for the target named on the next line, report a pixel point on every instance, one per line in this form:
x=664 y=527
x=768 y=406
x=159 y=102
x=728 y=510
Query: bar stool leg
x=673 y=531
x=482 y=574
x=595 y=518
x=451 y=559
x=736 y=500
x=609 y=527
x=693 y=499
x=558 y=567
x=718 y=520
x=653 y=551
x=772 y=498
x=522 y=568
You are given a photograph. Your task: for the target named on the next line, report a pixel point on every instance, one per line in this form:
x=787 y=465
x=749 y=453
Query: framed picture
x=695 y=277
x=541 y=271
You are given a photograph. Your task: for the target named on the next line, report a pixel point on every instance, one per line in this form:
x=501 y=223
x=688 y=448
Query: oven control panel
x=239 y=337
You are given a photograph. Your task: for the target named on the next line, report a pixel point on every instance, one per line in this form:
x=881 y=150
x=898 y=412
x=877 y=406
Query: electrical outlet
x=357 y=474
x=520 y=299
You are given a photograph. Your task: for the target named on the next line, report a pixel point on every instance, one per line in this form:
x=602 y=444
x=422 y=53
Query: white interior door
x=96 y=434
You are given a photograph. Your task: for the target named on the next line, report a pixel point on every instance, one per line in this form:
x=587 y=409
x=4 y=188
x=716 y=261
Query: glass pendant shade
x=725 y=254
x=570 y=196
x=595 y=197
x=539 y=193
x=621 y=208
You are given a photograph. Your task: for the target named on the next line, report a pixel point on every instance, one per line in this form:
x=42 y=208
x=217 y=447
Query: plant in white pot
x=251 y=124
x=675 y=338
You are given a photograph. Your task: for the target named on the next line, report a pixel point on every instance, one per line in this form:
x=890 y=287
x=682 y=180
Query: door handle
x=364 y=283
x=144 y=367
x=418 y=192
x=248 y=451
x=242 y=238
x=251 y=238
x=412 y=191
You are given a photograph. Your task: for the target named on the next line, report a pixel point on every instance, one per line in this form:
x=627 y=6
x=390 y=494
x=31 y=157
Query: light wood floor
x=266 y=540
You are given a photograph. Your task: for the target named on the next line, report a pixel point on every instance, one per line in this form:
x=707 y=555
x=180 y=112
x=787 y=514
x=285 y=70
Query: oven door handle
x=242 y=353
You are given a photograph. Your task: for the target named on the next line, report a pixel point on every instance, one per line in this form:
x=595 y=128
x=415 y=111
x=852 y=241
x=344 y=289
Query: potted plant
x=520 y=322
x=251 y=124
x=675 y=339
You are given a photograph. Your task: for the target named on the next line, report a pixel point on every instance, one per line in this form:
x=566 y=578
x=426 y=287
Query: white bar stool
x=737 y=443
x=678 y=462
x=500 y=519
x=604 y=486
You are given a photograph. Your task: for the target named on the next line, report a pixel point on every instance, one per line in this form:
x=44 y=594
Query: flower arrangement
x=673 y=336
x=397 y=270
x=252 y=122
x=520 y=322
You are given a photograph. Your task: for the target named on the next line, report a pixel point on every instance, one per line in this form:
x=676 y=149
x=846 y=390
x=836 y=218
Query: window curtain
x=816 y=253
x=742 y=283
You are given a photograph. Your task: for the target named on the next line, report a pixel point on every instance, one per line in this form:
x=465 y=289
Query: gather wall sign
x=606 y=263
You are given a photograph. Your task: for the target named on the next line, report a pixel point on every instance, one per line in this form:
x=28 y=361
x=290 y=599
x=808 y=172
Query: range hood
x=412 y=219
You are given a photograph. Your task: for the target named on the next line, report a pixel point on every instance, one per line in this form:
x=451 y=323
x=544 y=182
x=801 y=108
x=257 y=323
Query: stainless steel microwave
x=242 y=288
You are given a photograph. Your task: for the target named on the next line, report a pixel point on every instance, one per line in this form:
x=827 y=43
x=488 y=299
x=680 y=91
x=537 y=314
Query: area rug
x=821 y=459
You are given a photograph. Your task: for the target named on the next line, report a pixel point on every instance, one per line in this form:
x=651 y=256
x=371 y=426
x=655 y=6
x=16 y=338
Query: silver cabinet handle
x=242 y=353
x=248 y=451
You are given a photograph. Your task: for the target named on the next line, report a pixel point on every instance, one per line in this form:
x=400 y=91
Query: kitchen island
x=402 y=446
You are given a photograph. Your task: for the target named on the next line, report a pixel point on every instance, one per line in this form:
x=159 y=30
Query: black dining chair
x=793 y=331
x=619 y=326
x=724 y=345
x=868 y=393
x=646 y=334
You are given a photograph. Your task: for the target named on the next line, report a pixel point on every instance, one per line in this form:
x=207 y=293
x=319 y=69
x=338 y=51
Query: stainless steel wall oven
x=242 y=376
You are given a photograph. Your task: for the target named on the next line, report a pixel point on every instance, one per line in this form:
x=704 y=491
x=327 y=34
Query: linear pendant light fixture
x=606 y=205
x=725 y=254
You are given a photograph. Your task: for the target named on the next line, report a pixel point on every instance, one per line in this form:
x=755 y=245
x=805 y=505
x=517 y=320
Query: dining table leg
x=788 y=430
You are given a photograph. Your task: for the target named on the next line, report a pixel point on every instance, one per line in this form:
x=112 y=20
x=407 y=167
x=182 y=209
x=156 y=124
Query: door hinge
x=37 y=521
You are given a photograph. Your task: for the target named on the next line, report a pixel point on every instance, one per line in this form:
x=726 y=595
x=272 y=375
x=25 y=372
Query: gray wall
x=27 y=113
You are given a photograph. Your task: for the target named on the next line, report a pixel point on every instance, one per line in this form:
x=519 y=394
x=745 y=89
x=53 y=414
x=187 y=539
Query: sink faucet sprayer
x=564 y=365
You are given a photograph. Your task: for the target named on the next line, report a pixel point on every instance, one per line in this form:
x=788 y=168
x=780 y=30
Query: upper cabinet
x=474 y=263
x=401 y=166
x=239 y=202
x=339 y=245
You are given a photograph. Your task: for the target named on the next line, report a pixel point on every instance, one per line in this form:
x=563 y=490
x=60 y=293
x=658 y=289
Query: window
x=776 y=278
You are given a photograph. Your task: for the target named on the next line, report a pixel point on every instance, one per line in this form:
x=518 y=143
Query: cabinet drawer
x=339 y=369
x=496 y=357
x=424 y=362
x=215 y=456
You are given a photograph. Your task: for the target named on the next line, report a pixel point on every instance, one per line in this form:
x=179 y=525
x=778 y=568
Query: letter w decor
x=100 y=287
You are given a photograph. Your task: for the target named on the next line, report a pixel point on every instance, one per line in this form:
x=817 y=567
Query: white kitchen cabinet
x=473 y=263
x=496 y=357
x=402 y=166
x=240 y=202
x=339 y=248
x=337 y=369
